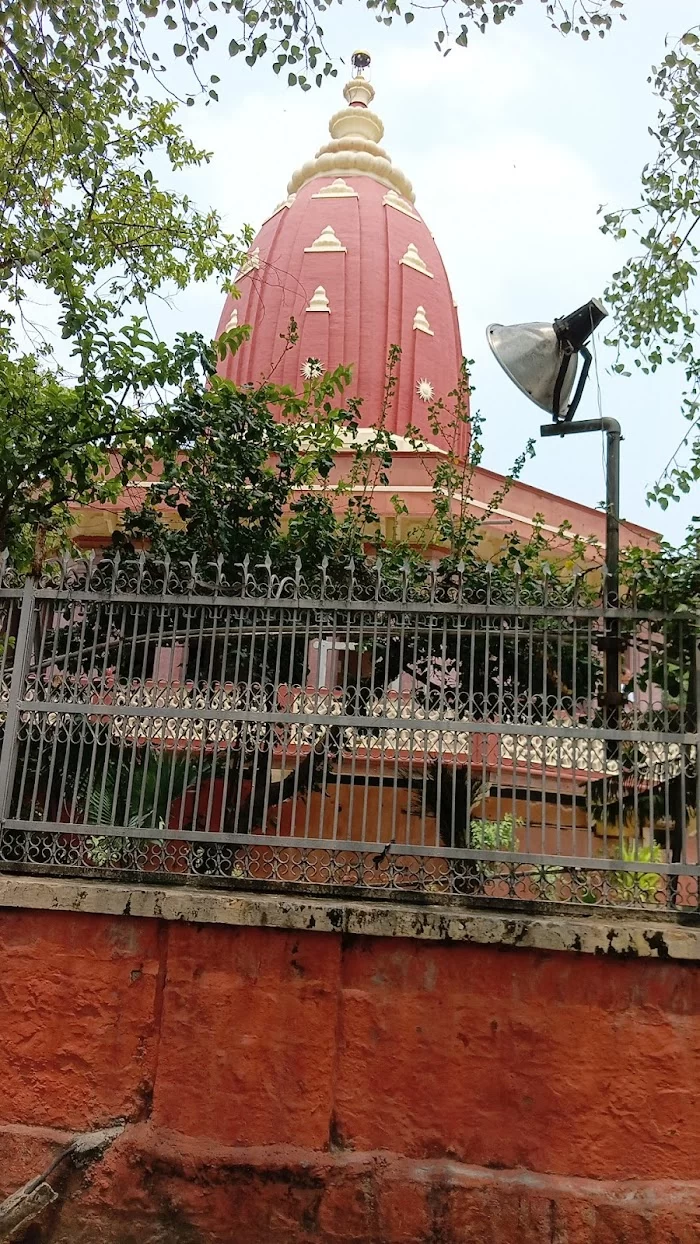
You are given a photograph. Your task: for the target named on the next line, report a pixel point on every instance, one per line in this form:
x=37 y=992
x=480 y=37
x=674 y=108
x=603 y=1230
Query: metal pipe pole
x=612 y=698
x=612 y=513
x=613 y=436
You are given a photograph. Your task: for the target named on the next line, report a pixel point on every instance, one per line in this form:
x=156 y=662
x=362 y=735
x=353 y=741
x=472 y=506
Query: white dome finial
x=359 y=92
x=355 y=136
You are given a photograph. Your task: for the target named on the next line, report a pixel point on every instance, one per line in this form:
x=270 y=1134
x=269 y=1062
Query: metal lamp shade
x=532 y=355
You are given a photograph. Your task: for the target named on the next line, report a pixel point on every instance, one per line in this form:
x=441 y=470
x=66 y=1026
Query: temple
x=347 y=256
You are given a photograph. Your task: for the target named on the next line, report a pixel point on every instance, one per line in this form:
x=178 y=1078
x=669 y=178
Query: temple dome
x=350 y=259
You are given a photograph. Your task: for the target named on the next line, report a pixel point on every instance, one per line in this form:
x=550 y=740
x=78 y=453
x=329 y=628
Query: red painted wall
x=285 y=1087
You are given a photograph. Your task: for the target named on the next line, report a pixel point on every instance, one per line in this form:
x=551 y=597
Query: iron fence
x=441 y=738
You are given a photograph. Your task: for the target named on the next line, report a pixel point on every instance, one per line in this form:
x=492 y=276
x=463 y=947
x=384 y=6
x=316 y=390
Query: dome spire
x=347 y=257
x=359 y=91
x=360 y=61
x=354 y=148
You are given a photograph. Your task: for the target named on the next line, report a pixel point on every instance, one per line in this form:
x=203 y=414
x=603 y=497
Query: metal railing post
x=23 y=644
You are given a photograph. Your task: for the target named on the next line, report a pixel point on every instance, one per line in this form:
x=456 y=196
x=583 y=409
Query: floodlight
x=542 y=359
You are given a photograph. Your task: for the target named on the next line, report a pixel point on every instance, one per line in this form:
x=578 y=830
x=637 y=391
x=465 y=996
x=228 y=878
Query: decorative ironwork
x=441 y=736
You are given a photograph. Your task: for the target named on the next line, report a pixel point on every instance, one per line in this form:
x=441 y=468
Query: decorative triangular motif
x=326 y=241
x=251 y=263
x=393 y=199
x=232 y=320
x=285 y=203
x=420 y=322
x=413 y=260
x=337 y=189
x=319 y=301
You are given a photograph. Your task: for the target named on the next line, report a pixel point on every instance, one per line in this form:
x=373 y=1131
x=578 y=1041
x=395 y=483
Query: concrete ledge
x=632 y=935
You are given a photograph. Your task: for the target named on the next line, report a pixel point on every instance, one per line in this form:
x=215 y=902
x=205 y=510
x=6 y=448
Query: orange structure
x=348 y=257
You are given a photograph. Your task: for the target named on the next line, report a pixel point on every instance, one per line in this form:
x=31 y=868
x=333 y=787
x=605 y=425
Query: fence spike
x=245 y=564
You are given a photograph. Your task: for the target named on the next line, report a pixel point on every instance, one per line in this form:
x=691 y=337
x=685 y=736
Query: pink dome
x=350 y=259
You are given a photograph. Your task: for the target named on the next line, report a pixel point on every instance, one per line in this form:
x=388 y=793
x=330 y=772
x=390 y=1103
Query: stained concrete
x=624 y=935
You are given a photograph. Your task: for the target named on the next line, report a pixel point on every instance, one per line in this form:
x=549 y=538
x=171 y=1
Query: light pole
x=542 y=359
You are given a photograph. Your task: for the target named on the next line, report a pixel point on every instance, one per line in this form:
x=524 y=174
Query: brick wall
x=284 y=1087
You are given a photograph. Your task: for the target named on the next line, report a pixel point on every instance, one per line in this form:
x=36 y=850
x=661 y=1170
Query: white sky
x=511 y=144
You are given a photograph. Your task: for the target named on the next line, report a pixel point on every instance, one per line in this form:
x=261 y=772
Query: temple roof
x=348 y=256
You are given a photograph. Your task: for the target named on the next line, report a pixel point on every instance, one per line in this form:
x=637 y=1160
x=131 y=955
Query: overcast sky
x=512 y=145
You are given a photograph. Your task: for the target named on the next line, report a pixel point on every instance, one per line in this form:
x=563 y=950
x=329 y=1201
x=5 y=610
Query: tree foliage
x=80 y=443
x=245 y=472
x=654 y=294
x=110 y=41
x=88 y=231
x=662 y=583
x=83 y=217
x=290 y=34
x=254 y=472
